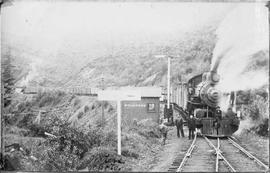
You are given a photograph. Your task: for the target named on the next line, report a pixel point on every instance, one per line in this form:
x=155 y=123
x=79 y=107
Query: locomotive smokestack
x=211 y=77
x=214 y=76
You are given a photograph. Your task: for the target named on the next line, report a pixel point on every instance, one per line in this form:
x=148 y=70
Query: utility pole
x=168 y=82
x=102 y=104
x=1 y=118
x=268 y=6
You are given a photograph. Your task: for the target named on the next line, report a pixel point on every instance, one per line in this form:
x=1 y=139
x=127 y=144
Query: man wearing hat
x=179 y=126
x=191 y=127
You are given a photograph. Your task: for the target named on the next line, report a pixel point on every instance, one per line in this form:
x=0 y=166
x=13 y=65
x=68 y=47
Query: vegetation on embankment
x=81 y=140
x=256 y=144
x=254 y=111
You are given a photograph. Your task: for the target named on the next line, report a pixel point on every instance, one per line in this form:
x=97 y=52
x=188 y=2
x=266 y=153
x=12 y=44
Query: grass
x=93 y=140
x=257 y=145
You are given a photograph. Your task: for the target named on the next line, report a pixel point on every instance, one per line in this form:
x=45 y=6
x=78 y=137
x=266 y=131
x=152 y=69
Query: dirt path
x=173 y=147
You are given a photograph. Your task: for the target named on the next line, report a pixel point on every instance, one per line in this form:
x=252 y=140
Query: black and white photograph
x=134 y=86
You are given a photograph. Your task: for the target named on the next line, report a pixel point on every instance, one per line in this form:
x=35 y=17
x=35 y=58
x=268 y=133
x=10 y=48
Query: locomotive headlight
x=215 y=77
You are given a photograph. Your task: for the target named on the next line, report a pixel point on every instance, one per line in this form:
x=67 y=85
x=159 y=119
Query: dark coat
x=216 y=124
x=179 y=123
x=230 y=114
x=191 y=123
x=218 y=113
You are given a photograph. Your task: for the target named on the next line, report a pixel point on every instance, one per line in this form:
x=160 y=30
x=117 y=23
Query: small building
x=146 y=108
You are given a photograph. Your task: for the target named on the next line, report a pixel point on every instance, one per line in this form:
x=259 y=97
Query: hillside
x=137 y=66
x=131 y=64
x=89 y=142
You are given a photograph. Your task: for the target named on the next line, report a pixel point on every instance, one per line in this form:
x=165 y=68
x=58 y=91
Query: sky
x=97 y=28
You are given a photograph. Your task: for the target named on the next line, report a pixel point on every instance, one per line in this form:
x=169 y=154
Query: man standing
x=218 y=116
x=179 y=125
x=191 y=127
x=216 y=124
x=218 y=112
x=230 y=113
x=164 y=131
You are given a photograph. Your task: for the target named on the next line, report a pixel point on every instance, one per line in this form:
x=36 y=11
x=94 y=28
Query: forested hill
x=131 y=64
x=137 y=66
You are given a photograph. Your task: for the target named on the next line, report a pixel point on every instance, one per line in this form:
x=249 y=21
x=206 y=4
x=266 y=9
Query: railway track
x=219 y=155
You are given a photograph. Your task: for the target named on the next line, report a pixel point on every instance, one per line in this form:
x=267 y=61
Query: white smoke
x=224 y=102
x=244 y=81
x=245 y=124
x=33 y=73
x=241 y=34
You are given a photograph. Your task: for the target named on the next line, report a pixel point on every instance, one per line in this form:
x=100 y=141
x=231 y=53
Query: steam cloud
x=33 y=73
x=241 y=34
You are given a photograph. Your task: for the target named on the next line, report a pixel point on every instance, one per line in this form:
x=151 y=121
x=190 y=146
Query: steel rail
x=188 y=154
x=247 y=153
x=218 y=152
x=217 y=156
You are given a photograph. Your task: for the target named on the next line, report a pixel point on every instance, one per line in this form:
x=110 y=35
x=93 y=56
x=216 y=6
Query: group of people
x=191 y=123
x=191 y=127
x=179 y=123
x=194 y=123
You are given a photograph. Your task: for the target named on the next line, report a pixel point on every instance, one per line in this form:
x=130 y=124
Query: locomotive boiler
x=202 y=102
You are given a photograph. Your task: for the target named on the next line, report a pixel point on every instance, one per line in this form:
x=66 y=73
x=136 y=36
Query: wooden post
x=119 y=127
x=102 y=104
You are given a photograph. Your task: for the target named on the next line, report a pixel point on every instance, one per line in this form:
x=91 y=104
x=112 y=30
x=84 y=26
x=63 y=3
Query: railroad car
x=202 y=102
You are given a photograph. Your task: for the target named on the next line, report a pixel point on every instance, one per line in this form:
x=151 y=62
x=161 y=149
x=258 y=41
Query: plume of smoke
x=244 y=81
x=33 y=73
x=245 y=124
x=241 y=34
x=224 y=102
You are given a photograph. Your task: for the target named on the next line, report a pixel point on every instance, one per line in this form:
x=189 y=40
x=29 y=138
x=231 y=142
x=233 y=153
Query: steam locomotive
x=200 y=98
x=202 y=102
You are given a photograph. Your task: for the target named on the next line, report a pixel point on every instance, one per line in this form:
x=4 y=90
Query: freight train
x=200 y=97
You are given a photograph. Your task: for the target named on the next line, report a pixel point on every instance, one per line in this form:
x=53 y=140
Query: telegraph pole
x=102 y=104
x=268 y=6
x=168 y=80
x=168 y=84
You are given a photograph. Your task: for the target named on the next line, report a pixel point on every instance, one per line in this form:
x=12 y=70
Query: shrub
x=25 y=120
x=93 y=107
x=110 y=108
x=130 y=153
x=49 y=98
x=80 y=114
x=76 y=102
x=86 y=108
x=104 y=159
x=257 y=111
x=53 y=159
x=147 y=128
x=13 y=161
x=105 y=104
x=262 y=129
x=109 y=139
